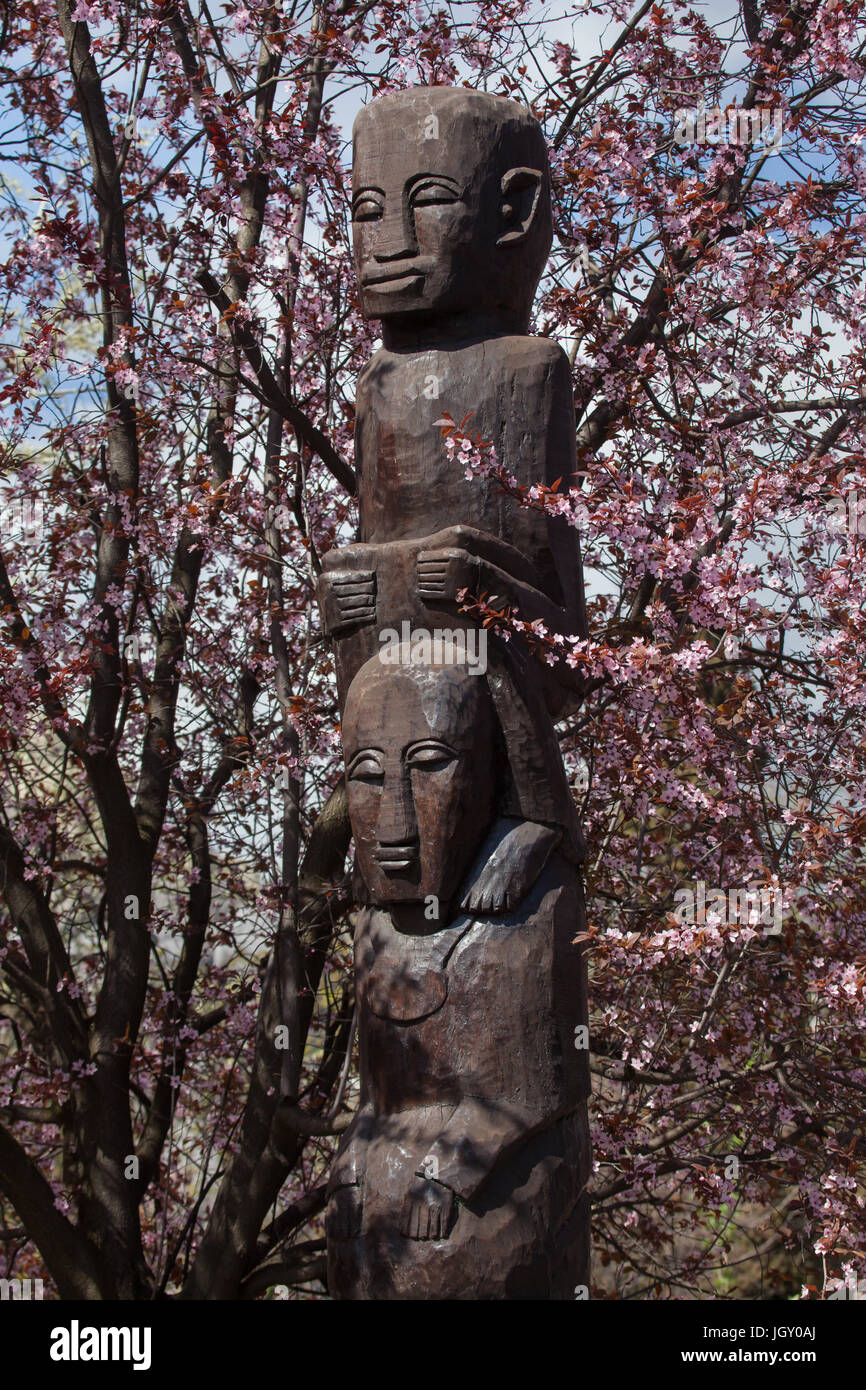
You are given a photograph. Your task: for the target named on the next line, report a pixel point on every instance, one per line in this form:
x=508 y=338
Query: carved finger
x=341 y=578
x=414 y=1222
x=406 y=1217
x=441 y=557
x=351 y=602
x=352 y=595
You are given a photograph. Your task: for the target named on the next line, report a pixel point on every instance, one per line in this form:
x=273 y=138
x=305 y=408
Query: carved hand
x=462 y=557
x=347 y=599
x=428 y=1209
x=440 y=574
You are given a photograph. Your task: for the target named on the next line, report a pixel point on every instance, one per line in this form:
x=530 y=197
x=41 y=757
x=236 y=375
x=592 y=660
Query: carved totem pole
x=464 y=1173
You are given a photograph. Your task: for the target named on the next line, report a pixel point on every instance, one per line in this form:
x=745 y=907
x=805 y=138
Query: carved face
x=419 y=747
x=446 y=184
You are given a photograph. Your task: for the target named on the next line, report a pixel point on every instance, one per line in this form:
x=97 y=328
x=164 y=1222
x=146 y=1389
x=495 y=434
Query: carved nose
x=397 y=821
x=396 y=239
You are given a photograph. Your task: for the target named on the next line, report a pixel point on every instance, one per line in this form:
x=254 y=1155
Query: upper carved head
x=450 y=207
x=421 y=756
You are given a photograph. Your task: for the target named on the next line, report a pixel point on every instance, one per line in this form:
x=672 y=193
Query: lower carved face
x=419 y=746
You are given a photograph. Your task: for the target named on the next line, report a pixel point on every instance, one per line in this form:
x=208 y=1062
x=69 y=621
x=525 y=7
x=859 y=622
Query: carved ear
x=521 y=191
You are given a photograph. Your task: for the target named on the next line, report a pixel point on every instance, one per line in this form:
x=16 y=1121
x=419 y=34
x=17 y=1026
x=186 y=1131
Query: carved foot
x=511 y=859
x=428 y=1210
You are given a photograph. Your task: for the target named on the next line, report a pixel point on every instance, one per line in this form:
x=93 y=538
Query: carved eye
x=431 y=194
x=368 y=206
x=366 y=766
x=431 y=756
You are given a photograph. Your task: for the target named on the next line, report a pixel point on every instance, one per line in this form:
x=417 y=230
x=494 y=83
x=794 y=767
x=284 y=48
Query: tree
x=180 y=338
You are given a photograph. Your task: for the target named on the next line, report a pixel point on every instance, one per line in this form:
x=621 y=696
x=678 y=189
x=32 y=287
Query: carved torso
x=517 y=391
x=443 y=983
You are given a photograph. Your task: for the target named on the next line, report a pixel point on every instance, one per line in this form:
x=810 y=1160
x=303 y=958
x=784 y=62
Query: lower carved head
x=420 y=747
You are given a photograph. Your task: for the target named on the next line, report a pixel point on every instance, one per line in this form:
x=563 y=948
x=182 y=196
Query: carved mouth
x=393 y=858
x=390 y=282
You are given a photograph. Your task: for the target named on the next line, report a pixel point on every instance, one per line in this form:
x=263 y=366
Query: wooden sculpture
x=464 y=1173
